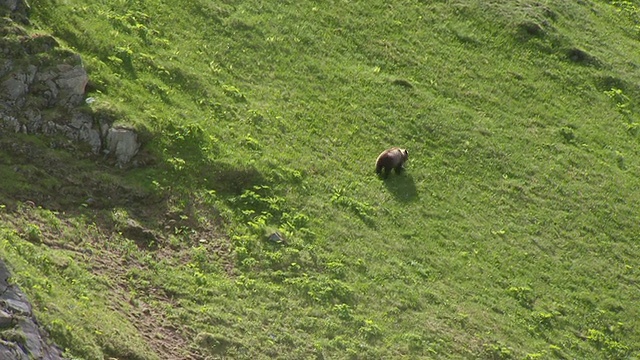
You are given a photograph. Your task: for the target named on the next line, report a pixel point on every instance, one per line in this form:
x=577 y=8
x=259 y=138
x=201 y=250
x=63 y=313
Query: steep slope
x=512 y=234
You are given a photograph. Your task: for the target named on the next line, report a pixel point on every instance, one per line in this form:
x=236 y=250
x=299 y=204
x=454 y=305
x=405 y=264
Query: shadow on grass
x=403 y=187
x=74 y=183
x=230 y=179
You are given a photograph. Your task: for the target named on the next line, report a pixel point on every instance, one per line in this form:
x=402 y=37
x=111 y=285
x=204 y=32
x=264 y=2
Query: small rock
x=142 y=236
x=277 y=238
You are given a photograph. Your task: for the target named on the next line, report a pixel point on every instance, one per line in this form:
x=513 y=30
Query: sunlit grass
x=510 y=235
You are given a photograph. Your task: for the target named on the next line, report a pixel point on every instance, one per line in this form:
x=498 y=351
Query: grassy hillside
x=512 y=234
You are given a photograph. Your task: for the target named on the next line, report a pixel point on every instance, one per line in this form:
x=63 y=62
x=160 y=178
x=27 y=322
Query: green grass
x=512 y=234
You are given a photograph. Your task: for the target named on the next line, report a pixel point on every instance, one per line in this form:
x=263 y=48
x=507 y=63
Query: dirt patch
x=165 y=338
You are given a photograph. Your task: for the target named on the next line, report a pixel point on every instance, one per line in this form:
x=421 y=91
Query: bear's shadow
x=402 y=187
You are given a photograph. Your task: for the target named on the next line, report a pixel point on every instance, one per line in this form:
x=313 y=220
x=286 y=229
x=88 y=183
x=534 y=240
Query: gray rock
x=48 y=90
x=33 y=338
x=80 y=120
x=5 y=67
x=123 y=144
x=71 y=82
x=18 y=8
x=16 y=85
x=10 y=122
x=6 y=320
x=34 y=120
x=91 y=137
x=277 y=238
x=12 y=5
x=9 y=350
x=14 y=303
x=16 y=316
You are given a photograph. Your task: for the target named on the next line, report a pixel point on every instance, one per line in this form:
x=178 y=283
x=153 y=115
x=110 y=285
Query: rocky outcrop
x=20 y=335
x=43 y=91
x=17 y=9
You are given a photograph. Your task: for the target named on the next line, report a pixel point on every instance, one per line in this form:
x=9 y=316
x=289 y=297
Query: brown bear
x=390 y=159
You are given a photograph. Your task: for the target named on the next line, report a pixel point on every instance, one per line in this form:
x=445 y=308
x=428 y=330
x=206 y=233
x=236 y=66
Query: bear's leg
x=387 y=171
x=399 y=169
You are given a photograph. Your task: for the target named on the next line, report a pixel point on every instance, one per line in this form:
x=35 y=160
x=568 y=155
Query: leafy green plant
x=363 y=210
x=343 y=311
x=234 y=93
x=623 y=102
x=369 y=330
x=611 y=347
x=497 y=351
x=523 y=294
x=33 y=233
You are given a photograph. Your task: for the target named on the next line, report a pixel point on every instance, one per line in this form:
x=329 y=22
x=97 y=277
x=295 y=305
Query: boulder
x=123 y=144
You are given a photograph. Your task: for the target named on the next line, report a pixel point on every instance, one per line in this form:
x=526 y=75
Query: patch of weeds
x=523 y=294
x=568 y=134
x=266 y=214
x=415 y=342
x=50 y=218
x=251 y=143
x=534 y=356
x=363 y=210
x=558 y=352
x=214 y=343
x=286 y=174
x=623 y=102
x=322 y=289
x=369 y=330
x=633 y=128
x=32 y=233
x=631 y=11
x=234 y=93
x=202 y=259
x=176 y=242
x=606 y=343
x=336 y=268
x=542 y=322
x=344 y=311
x=497 y=351
x=120 y=217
